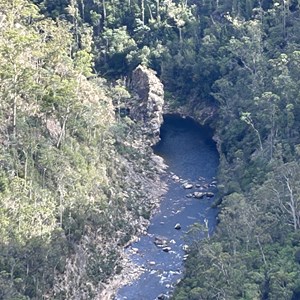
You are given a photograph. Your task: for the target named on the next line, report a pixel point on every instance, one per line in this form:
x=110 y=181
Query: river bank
x=130 y=271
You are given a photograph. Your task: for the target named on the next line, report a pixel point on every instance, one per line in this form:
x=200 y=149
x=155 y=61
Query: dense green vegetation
x=253 y=46
x=66 y=206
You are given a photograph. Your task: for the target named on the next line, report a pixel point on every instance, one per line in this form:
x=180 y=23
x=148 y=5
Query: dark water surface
x=190 y=153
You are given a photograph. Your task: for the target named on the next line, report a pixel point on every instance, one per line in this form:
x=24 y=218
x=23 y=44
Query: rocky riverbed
x=156 y=259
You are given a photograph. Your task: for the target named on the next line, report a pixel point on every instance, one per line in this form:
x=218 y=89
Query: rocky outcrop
x=147 y=105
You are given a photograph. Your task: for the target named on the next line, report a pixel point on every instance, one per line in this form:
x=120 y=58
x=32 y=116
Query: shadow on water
x=190 y=153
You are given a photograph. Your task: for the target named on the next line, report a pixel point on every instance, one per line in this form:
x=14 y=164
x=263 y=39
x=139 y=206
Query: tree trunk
x=15 y=80
x=143 y=11
x=63 y=129
x=292 y=205
x=15 y=117
x=157 y=11
x=180 y=36
x=104 y=10
x=150 y=12
x=82 y=9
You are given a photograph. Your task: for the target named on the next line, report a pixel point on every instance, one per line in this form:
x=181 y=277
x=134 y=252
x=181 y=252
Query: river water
x=190 y=153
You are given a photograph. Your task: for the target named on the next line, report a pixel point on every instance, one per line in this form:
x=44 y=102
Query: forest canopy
x=64 y=66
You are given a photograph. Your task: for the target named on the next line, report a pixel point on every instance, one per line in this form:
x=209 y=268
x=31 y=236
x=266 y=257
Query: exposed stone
x=189 y=195
x=185 y=257
x=159 y=163
x=176 y=272
x=161 y=241
x=187 y=185
x=147 y=107
x=54 y=128
x=199 y=195
x=166 y=249
x=177 y=226
x=161 y=297
x=210 y=194
x=185 y=247
x=175 y=178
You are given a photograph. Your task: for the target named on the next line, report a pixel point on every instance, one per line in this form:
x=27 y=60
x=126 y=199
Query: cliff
x=147 y=103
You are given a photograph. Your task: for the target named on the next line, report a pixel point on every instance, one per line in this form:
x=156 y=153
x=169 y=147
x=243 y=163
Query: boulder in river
x=166 y=249
x=160 y=241
x=210 y=194
x=185 y=257
x=187 y=185
x=199 y=195
x=161 y=297
x=185 y=248
x=190 y=195
x=177 y=226
x=175 y=178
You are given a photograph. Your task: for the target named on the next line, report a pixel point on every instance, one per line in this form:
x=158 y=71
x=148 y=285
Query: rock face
x=147 y=106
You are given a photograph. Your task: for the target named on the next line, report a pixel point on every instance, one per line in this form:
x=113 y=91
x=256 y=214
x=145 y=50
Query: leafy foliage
x=66 y=207
x=252 y=254
x=61 y=194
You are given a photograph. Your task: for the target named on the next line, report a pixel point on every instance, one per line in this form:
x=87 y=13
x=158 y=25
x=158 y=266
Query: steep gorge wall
x=146 y=110
x=147 y=103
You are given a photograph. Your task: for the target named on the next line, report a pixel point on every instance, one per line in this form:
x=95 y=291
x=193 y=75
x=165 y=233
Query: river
x=190 y=153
